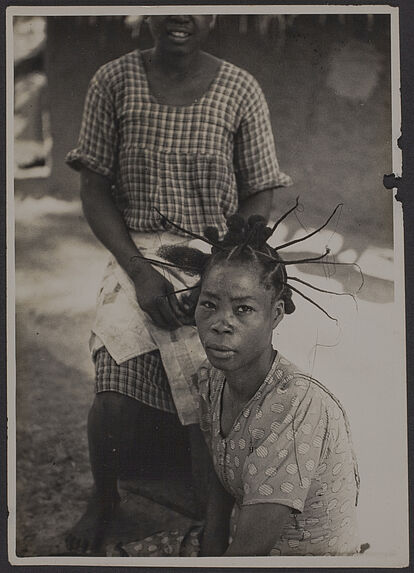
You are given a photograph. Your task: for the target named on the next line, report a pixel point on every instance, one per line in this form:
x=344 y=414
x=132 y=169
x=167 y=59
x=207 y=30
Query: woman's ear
x=278 y=312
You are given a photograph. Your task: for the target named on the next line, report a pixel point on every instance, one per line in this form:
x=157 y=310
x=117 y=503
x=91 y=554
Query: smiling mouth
x=179 y=34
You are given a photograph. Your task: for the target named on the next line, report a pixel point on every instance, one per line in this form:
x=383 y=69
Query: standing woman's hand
x=155 y=295
x=153 y=291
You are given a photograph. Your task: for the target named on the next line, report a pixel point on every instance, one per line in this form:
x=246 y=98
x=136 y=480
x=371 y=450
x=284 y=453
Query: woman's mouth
x=179 y=35
x=222 y=352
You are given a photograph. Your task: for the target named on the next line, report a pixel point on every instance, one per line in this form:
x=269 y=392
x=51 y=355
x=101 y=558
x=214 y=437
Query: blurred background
x=327 y=82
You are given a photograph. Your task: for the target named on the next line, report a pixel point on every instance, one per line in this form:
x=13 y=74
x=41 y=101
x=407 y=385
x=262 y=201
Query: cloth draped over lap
x=127 y=331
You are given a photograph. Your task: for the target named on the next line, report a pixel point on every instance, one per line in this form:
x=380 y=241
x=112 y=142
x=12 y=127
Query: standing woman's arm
x=106 y=220
x=258 y=204
x=96 y=158
x=255 y=162
x=109 y=227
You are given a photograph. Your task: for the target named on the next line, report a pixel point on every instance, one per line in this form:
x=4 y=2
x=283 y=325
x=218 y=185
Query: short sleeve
x=255 y=162
x=281 y=467
x=97 y=145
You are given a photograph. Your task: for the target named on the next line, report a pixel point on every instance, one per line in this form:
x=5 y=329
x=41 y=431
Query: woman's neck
x=244 y=383
x=176 y=65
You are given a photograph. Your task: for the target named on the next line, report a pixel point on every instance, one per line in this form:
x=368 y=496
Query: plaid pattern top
x=192 y=162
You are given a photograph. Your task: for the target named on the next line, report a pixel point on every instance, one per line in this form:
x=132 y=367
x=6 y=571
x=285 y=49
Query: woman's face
x=179 y=33
x=236 y=315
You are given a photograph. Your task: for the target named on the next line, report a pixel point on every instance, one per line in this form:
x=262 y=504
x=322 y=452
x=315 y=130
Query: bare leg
x=111 y=417
x=121 y=431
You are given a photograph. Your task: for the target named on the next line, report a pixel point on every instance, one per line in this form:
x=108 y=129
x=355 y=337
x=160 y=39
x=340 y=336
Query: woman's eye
x=207 y=304
x=244 y=309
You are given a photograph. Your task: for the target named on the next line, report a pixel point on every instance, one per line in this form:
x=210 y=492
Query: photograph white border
x=364 y=560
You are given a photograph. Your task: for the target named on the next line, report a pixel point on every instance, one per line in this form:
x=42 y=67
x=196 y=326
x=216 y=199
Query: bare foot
x=87 y=535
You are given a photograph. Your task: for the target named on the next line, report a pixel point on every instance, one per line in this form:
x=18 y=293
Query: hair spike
x=182 y=290
x=190 y=258
x=308 y=260
x=250 y=238
x=165 y=263
x=326 y=291
x=275 y=226
x=311 y=301
x=289 y=243
x=165 y=220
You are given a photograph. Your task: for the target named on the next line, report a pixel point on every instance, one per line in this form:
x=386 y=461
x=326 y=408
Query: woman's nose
x=222 y=325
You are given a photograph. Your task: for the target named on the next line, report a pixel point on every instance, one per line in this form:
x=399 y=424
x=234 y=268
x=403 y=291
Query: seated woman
x=286 y=479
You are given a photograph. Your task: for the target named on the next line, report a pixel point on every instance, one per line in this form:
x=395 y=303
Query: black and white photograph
x=206 y=344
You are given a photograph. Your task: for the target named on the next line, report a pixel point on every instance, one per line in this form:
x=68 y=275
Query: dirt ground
x=58 y=267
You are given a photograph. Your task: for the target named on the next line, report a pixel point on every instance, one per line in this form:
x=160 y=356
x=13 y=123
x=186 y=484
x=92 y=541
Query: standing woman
x=177 y=130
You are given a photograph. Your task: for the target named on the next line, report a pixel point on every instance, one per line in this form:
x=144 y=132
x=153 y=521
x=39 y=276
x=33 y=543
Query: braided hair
x=245 y=242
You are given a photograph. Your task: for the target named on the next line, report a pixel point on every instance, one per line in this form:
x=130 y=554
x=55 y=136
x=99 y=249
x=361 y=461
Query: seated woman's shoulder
x=304 y=385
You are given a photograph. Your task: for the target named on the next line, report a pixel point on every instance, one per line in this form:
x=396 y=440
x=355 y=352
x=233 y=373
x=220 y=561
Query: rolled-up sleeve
x=98 y=139
x=255 y=161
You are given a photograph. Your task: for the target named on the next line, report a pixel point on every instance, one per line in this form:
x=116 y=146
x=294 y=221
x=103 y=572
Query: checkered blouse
x=192 y=162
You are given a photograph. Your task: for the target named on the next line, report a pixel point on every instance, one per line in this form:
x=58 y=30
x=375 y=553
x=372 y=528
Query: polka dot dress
x=174 y=543
x=290 y=445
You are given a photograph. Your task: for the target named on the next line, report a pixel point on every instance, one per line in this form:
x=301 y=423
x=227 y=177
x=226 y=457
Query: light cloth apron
x=126 y=330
